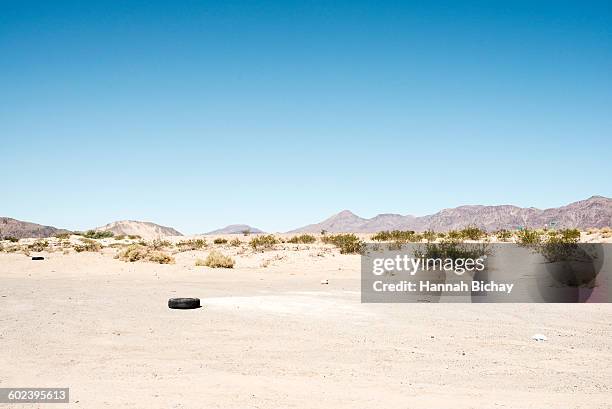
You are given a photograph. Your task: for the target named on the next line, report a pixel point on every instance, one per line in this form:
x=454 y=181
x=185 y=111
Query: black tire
x=184 y=303
x=38 y=258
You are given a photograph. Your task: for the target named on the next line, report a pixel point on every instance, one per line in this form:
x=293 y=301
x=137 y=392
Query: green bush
x=220 y=241
x=452 y=249
x=11 y=239
x=304 y=239
x=347 y=243
x=472 y=233
x=454 y=235
x=93 y=234
x=503 y=235
x=429 y=235
x=395 y=235
x=134 y=237
x=265 y=242
x=527 y=237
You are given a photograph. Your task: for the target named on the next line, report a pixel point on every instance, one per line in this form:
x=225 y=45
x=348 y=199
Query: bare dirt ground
x=276 y=338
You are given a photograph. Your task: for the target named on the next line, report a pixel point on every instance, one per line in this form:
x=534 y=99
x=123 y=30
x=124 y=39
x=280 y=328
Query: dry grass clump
x=137 y=252
x=220 y=241
x=38 y=245
x=193 y=244
x=266 y=242
x=87 y=245
x=235 y=242
x=303 y=239
x=159 y=244
x=347 y=243
x=216 y=260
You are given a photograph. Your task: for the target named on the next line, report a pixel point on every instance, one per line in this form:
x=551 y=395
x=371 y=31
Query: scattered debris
x=326 y=281
x=539 y=337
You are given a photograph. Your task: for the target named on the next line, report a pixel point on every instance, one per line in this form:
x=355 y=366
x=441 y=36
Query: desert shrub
x=441 y=235
x=395 y=235
x=62 y=236
x=235 y=242
x=133 y=252
x=217 y=260
x=160 y=257
x=15 y=248
x=453 y=249
x=159 y=244
x=570 y=234
x=87 y=245
x=472 y=233
x=527 y=237
x=429 y=235
x=134 y=237
x=304 y=239
x=503 y=235
x=454 y=235
x=265 y=242
x=11 y=239
x=192 y=244
x=38 y=245
x=246 y=232
x=93 y=234
x=220 y=241
x=120 y=237
x=136 y=252
x=347 y=243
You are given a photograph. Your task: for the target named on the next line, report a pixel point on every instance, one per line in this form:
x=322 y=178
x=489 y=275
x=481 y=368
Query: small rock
x=539 y=337
x=325 y=281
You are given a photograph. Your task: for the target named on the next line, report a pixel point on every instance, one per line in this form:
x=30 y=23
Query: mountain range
x=595 y=212
x=19 y=229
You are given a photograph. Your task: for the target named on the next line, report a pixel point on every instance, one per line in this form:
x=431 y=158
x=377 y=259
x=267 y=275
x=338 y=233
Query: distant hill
x=146 y=230
x=235 y=229
x=20 y=229
x=593 y=212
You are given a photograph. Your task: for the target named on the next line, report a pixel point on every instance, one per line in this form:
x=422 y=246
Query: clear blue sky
x=279 y=114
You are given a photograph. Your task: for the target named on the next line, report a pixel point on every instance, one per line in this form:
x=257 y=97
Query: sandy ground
x=276 y=338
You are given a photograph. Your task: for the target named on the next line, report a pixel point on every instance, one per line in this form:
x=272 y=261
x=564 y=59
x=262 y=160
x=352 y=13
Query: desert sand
x=275 y=337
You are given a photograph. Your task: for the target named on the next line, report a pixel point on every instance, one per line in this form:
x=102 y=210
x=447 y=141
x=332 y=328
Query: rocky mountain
x=146 y=230
x=593 y=212
x=20 y=229
x=236 y=229
x=345 y=221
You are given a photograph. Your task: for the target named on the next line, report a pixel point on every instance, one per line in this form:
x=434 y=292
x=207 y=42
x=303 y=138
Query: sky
x=275 y=114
